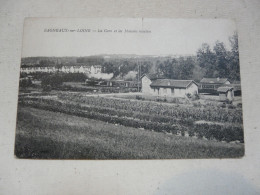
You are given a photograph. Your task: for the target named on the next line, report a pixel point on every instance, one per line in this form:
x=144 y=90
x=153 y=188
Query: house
x=86 y=69
x=91 y=70
x=95 y=69
x=65 y=69
x=168 y=87
x=76 y=69
x=226 y=93
x=212 y=84
x=146 y=81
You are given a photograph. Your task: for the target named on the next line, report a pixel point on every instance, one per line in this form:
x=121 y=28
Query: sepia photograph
x=129 y=89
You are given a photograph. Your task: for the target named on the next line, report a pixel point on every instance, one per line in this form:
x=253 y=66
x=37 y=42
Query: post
x=140 y=73
x=138 y=77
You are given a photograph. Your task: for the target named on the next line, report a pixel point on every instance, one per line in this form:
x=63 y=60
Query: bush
x=52 y=81
x=25 y=83
x=46 y=88
x=231 y=106
x=73 y=77
x=195 y=97
x=239 y=105
x=138 y=97
x=189 y=95
x=223 y=105
x=197 y=104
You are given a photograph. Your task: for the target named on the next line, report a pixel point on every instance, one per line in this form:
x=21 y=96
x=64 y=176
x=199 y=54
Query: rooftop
x=214 y=80
x=224 y=89
x=171 y=83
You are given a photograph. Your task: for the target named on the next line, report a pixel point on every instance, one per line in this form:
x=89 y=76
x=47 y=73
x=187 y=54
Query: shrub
x=25 y=83
x=196 y=104
x=239 y=105
x=223 y=105
x=46 y=88
x=231 y=106
x=52 y=81
x=138 y=97
x=195 y=97
x=189 y=95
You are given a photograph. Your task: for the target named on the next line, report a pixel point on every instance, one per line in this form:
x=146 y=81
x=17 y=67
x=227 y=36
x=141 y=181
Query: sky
x=162 y=36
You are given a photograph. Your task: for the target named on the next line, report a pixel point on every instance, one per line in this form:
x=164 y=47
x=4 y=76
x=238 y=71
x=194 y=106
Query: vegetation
x=25 y=83
x=150 y=115
x=46 y=134
x=51 y=81
x=220 y=62
x=208 y=62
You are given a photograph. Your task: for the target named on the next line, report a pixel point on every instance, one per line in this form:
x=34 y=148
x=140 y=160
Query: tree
x=185 y=68
x=111 y=68
x=221 y=60
x=58 y=66
x=145 y=67
x=206 y=60
x=233 y=66
x=166 y=68
x=46 y=62
x=51 y=81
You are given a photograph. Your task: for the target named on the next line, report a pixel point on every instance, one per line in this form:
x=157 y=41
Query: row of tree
x=216 y=62
x=208 y=62
x=220 y=62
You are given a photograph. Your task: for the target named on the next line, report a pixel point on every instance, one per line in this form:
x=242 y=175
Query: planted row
x=209 y=114
x=210 y=131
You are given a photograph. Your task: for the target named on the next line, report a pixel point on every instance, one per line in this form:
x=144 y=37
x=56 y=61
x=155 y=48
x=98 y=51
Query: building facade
x=168 y=87
x=213 y=83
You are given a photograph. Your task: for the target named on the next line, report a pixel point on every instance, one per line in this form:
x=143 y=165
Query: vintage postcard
x=129 y=89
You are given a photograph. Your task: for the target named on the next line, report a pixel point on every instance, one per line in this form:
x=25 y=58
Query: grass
x=50 y=135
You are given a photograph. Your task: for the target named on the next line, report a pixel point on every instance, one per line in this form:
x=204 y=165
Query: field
x=77 y=125
x=47 y=134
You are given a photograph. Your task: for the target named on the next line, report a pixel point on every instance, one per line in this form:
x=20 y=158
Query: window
x=172 y=90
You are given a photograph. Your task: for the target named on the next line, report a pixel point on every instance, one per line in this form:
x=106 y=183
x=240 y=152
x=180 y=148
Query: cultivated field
x=47 y=134
x=76 y=125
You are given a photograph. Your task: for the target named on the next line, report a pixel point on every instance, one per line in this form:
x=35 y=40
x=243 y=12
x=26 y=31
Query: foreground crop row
x=168 y=121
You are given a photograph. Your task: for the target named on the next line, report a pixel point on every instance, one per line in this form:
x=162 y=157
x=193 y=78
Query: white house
x=168 y=87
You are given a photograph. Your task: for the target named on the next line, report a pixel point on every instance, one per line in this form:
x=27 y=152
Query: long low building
x=92 y=69
x=168 y=87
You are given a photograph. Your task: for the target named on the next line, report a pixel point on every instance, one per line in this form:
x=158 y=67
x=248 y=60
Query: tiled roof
x=171 y=83
x=224 y=89
x=214 y=80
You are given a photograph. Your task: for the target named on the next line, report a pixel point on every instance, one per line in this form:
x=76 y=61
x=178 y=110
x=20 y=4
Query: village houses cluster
x=87 y=69
x=151 y=84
